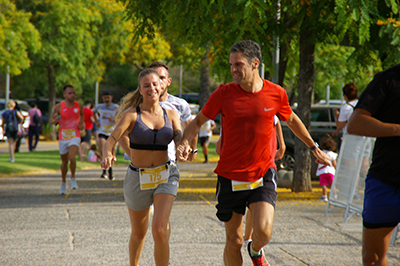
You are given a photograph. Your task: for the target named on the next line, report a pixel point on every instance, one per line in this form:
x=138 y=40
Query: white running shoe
x=63 y=188
x=73 y=183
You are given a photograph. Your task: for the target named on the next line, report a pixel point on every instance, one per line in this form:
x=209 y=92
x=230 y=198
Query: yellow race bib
x=150 y=178
x=240 y=185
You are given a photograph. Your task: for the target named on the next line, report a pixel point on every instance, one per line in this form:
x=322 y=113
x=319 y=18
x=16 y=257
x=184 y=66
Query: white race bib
x=150 y=178
x=240 y=185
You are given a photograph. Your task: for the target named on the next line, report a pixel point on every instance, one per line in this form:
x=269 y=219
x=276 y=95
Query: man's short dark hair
x=67 y=86
x=106 y=93
x=250 y=49
x=156 y=64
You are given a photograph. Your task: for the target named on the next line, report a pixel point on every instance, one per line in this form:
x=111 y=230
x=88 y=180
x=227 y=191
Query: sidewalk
x=90 y=225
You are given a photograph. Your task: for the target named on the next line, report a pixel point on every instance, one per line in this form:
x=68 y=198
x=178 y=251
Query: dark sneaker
x=110 y=174
x=104 y=174
x=260 y=260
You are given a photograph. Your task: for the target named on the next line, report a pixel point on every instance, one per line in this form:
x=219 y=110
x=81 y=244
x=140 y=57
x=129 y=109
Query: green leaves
x=18 y=37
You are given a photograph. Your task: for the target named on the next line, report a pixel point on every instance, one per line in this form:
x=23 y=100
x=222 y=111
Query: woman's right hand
x=108 y=161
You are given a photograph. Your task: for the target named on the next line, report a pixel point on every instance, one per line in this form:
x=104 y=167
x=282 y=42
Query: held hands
x=108 y=161
x=183 y=151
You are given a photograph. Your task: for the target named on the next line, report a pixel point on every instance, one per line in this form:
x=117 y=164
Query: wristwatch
x=315 y=146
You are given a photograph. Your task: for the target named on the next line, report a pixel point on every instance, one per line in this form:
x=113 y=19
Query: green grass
x=44 y=161
x=41 y=161
x=212 y=155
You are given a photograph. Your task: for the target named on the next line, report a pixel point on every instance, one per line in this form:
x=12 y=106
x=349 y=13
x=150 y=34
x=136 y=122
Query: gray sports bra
x=143 y=138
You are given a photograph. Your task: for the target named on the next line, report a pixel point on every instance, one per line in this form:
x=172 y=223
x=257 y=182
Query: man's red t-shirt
x=248 y=126
x=88 y=113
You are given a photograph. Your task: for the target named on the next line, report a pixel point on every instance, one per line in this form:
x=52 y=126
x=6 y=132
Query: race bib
x=239 y=185
x=68 y=133
x=150 y=178
x=107 y=129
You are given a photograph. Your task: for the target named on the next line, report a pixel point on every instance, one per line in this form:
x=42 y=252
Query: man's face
x=69 y=94
x=165 y=80
x=241 y=69
x=107 y=99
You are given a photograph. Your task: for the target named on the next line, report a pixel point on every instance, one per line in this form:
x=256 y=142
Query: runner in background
x=69 y=115
x=104 y=114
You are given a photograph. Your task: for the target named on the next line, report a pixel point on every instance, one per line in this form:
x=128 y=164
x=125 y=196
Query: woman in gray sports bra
x=151 y=177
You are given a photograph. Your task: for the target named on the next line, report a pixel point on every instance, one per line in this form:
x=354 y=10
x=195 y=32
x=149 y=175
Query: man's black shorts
x=229 y=201
x=103 y=136
x=203 y=140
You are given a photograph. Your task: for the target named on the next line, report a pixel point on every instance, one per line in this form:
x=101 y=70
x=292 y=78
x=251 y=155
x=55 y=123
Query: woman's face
x=150 y=87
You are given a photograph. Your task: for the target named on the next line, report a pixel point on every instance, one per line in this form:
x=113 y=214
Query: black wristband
x=194 y=151
x=314 y=147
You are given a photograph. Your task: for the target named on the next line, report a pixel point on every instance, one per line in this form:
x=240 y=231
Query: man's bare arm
x=362 y=123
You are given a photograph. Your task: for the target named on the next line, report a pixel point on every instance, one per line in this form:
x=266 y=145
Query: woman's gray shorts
x=137 y=199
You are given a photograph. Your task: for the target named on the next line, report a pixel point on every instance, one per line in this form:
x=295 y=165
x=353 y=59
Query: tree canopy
x=18 y=37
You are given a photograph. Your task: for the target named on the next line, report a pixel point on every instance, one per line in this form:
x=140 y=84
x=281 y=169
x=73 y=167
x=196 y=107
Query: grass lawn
x=43 y=161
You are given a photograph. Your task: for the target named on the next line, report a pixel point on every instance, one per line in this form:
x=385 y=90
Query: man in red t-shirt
x=245 y=175
x=69 y=115
x=89 y=120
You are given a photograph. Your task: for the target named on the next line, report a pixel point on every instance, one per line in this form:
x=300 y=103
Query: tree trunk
x=52 y=96
x=282 y=62
x=302 y=155
x=204 y=91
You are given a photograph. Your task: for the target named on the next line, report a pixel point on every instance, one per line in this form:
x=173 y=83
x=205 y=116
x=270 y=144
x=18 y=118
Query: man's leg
x=263 y=216
x=64 y=167
x=248 y=230
x=234 y=240
x=30 y=137
x=73 y=150
x=375 y=244
x=37 y=136
x=102 y=141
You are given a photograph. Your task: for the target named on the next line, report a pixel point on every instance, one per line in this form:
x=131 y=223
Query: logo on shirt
x=76 y=110
x=269 y=109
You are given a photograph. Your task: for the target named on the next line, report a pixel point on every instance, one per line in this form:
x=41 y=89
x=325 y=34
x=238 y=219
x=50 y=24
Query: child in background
x=324 y=172
x=93 y=154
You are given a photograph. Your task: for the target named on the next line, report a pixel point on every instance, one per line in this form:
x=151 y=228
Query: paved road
x=90 y=226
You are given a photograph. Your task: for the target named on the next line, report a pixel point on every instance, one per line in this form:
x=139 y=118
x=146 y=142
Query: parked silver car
x=322 y=122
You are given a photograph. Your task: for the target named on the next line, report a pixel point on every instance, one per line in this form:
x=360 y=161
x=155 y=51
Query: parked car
x=322 y=122
x=190 y=97
x=24 y=108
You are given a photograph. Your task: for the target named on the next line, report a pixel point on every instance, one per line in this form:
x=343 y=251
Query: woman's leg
x=161 y=227
x=11 y=147
x=139 y=224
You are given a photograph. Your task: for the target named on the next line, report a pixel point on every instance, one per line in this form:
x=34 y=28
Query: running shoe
x=63 y=188
x=104 y=174
x=73 y=184
x=260 y=260
x=323 y=198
